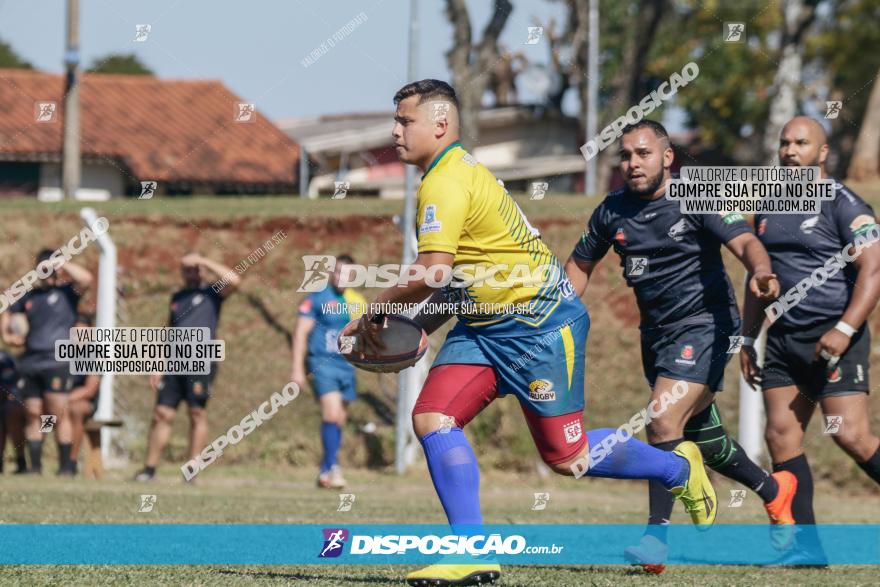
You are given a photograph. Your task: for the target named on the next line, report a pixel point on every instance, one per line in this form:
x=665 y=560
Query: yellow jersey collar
x=439 y=157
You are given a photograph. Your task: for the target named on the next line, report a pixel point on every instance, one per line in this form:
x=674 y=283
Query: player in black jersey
x=50 y=309
x=818 y=344
x=688 y=310
x=196 y=305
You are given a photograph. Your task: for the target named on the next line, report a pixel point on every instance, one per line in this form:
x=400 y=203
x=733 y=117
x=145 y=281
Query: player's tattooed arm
x=80 y=276
x=579 y=273
x=752 y=254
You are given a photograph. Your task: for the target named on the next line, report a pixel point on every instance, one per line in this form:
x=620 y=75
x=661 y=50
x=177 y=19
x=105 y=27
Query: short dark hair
x=44 y=255
x=427 y=89
x=345 y=259
x=659 y=129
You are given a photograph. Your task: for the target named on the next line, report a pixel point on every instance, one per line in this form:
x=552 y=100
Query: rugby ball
x=405 y=343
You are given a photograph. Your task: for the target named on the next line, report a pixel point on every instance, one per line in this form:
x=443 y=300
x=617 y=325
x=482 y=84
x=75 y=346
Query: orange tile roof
x=163 y=130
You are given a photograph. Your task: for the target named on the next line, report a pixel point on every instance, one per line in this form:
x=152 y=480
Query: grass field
x=284 y=495
x=269 y=477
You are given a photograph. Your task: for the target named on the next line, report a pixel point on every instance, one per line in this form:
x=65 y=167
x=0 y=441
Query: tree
x=472 y=62
x=865 y=162
x=120 y=64
x=10 y=59
x=798 y=15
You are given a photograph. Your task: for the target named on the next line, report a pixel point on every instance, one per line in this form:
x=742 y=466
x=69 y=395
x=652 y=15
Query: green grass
x=282 y=495
x=226 y=207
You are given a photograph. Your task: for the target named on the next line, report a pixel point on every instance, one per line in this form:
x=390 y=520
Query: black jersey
x=672 y=260
x=799 y=244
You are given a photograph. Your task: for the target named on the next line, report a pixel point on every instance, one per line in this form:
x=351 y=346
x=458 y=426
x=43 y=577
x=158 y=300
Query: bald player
x=817 y=350
x=196 y=305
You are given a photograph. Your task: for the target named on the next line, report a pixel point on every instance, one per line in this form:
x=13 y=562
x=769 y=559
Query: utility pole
x=408 y=380
x=70 y=166
x=590 y=179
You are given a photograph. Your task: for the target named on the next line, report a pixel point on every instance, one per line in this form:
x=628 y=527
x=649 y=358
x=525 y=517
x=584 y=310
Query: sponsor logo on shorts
x=686 y=356
x=541 y=390
x=762 y=227
x=620 y=237
x=860 y=373
x=836 y=375
x=334 y=541
x=198 y=388
x=573 y=432
x=56 y=383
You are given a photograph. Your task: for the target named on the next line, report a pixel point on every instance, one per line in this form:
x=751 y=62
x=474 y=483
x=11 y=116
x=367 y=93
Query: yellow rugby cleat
x=446 y=574
x=697 y=495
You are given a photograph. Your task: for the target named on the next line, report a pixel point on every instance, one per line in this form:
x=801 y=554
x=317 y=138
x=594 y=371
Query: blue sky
x=256 y=46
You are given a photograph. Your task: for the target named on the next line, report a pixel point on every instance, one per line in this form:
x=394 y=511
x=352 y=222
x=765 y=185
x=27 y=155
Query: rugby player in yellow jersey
x=534 y=351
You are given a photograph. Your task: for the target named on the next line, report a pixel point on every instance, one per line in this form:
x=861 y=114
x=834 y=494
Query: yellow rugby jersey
x=355 y=303
x=463 y=210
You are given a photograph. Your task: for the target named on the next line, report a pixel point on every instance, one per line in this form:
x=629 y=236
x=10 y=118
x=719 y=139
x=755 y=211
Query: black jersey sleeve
x=595 y=241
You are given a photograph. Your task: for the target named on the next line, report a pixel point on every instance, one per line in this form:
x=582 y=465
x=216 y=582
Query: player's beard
x=653 y=184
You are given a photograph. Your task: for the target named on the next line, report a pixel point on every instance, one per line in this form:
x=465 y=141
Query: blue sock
x=633 y=459
x=331 y=437
x=456 y=477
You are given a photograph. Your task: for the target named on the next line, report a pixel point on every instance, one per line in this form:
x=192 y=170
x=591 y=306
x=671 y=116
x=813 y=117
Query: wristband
x=748 y=341
x=845 y=328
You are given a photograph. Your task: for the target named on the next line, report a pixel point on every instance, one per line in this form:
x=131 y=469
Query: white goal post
x=105 y=318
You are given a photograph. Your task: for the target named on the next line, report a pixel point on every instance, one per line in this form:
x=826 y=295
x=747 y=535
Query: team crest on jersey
x=809 y=224
x=573 y=432
x=430 y=223
x=620 y=237
x=541 y=390
x=53 y=298
x=686 y=355
x=677 y=230
x=198 y=299
x=762 y=227
x=835 y=376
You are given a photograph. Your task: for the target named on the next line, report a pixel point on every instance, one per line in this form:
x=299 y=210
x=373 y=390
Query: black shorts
x=33 y=382
x=194 y=389
x=788 y=360
x=690 y=352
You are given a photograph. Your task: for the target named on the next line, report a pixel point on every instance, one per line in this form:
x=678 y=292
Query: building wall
x=99 y=181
